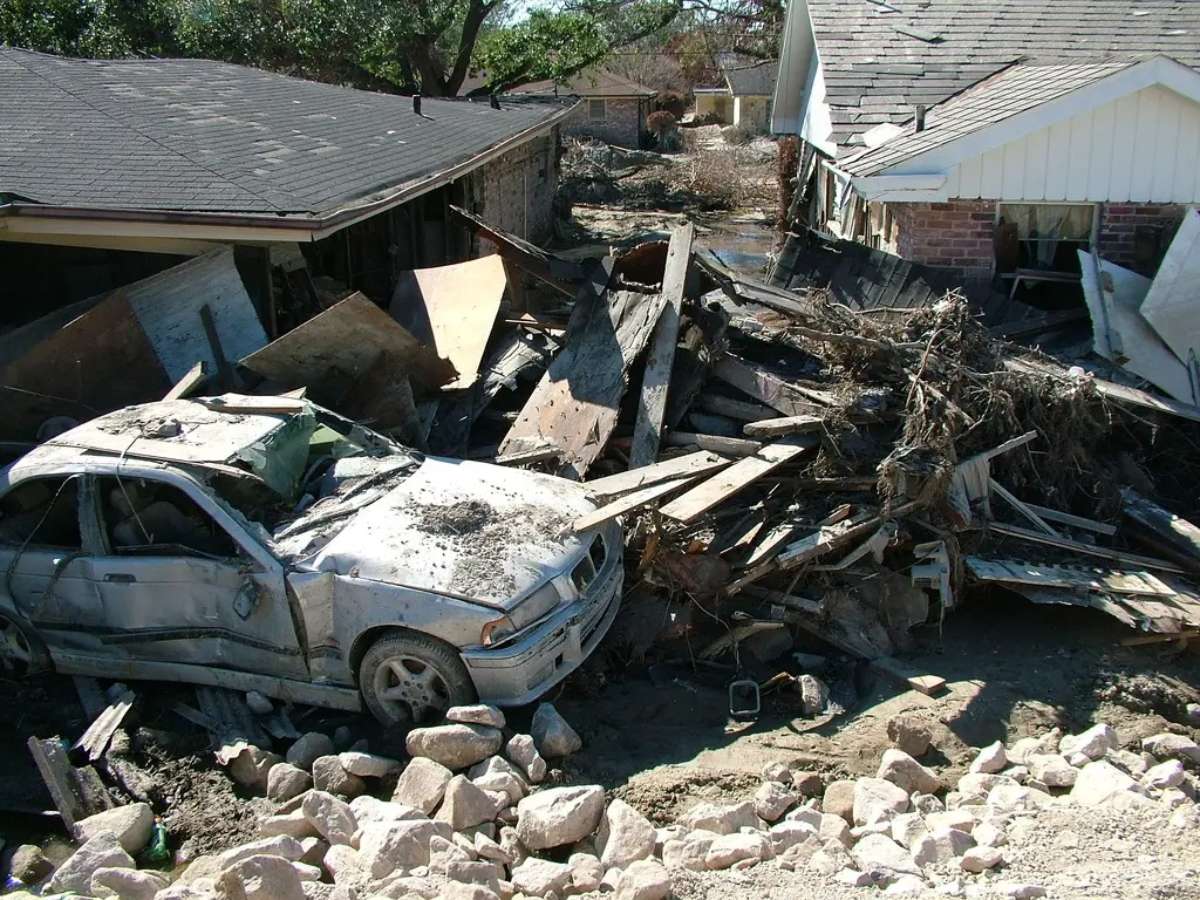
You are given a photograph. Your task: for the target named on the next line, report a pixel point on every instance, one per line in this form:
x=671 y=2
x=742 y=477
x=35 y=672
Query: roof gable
x=592 y=83
x=757 y=80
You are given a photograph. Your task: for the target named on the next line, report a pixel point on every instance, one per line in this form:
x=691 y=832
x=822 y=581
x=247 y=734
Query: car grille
x=586 y=569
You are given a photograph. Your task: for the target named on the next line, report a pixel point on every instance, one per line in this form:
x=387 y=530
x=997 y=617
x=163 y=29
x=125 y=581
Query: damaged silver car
x=265 y=543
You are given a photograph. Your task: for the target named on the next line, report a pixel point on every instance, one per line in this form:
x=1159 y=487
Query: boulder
x=285 y=781
x=797 y=856
x=367 y=765
x=906 y=886
x=989 y=834
x=486 y=848
x=961 y=819
x=127 y=884
x=879 y=852
x=690 y=851
x=101 y=851
x=1098 y=782
x=1172 y=746
x=772 y=800
x=776 y=771
x=623 y=836
x=839 y=799
x=720 y=819
x=455 y=746
x=834 y=828
x=422 y=784
x=522 y=752
x=391 y=845
x=907 y=828
x=484 y=873
x=558 y=816
x=728 y=849
x=442 y=852
x=906 y=773
x=465 y=805
x=329 y=775
x=477 y=714
x=978 y=784
x=808 y=784
x=644 y=879
x=1051 y=769
x=980 y=859
x=991 y=759
x=814 y=695
x=538 y=877
x=29 y=865
x=909 y=734
x=132 y=824
x=878 y=800
x=280 y=845
x=370 y=810
x=251 y=767
x=830 y=859
x=260 y=878
x=1093 y=743
x=586 y=872
x=853 y=878
x=292 y=823
x=512 y=786
x=1165 y=775
x=457 y=890
x=926 y=804
x=1018 y=891
x=551 y=733
x=786 y=835
x=308 y=748
x=332 y=818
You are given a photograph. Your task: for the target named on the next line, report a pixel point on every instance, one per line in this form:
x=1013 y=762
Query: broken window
x=42 y=512
x=142 y=516
x=1043 y=235
x=597 y=111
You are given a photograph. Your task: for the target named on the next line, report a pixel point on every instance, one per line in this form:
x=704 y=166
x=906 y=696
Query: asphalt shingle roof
x=875 y=73
x=993 y=100
x=757 y=80
x=202 y=136
x=591 y=83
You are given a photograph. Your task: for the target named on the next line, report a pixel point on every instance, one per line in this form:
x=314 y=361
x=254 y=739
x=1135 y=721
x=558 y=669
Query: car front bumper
x=520 y=672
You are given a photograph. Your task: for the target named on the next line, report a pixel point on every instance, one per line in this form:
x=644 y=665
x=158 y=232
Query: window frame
x=592 y=117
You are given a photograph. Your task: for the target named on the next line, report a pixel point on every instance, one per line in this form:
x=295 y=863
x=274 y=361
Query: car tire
x=20 y=655
x=409 y=678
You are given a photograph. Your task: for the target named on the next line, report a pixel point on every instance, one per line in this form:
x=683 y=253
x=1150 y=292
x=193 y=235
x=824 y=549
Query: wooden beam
x=790 y=399
x=785 y=425
x=690 y=464
x=742 y=410
x=907 y=674
x=561 y=274
x=1180 y=535
x=1029 y=514
x=193 y=379
x=715 y=443
x=1072 y=521
x=723 y=485
x=1120 y=556
x=647 y=430
x=628 y=502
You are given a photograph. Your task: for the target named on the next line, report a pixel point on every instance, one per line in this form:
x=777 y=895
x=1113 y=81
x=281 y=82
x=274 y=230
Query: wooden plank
x=1029 y=514
x=742 y=410
x=226 y=376
x=691 y=464
x=790 y=399
x=347 y=338
x=95 y=739
x=253 y=403
x=1062 y=518
x=628 y=502
x=1180 y=535
x=574 y=407
x=91 y=698
x=740 y=475
x=771 y=544
x=1091 y=579
x=1120 y=556
x=714 y=443
x=1118 y=392
x=647 y=429
x=188 y=383
x=907 y=674
x=785 y=425
x=561 y=274
x=57 y=773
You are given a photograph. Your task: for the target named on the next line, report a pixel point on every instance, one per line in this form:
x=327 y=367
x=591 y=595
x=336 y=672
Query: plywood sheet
x=453 y=309
x=1172 y=304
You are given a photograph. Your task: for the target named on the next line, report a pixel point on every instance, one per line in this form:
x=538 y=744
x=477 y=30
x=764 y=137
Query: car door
x=179 y=580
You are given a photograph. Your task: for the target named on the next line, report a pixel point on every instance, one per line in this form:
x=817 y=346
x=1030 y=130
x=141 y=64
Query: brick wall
x=955 y=233
x=621 y=126
x=1135 y=235
x=516 y=191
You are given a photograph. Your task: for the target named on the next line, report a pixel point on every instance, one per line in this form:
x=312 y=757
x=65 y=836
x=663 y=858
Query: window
x=43 y=512
x=1043 y=235
x=597 y=110
x=143 y=517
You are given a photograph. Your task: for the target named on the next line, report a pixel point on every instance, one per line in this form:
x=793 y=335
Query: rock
x=422 y=784
x=1017 y=891
x=1172 y=746
x=808 y=784
x=551 y=733
x=877 y=800
x=1013 y=798
x=772 y=800
x=456 y=890
x=991 y=759
x=786 y=835
x=260 y=878
x=132 y=824
x=839 y=799
x=1093 y=743
x=486 y=848
x=558 y=816
x=481 y=873
x=906 y=885
x=280 y=845
x=1051 y=770
x=367 y=765
x=689 y=852
x=926 y=804
x=808 y=815
x=644 y=879
x=962 y=819
x=624 y=836
x=332 y=818
x=251 y=767
x=391 y=845
x=511 y=786
x=906 y=828
x=906 y=773
x=259 y=704
x=1165 y=775
x=538 y=877
x=465 y=805
x=29 y=865
x=776 y=771
x=980 y=859
x=442 y=852
x=511 y=844
x=835 y=828
x=720 y=819
x=978 y=784
x=101 y=851
x=329 y=775
x=369 y=810
x=830 y=859
x=814 y=695
x=1098 y=782
x=1192 y=713
x=127 y=884
x=586 y=872
x=308 y=748
x=877 y=851
x=455 y=746
x=478 y=714
x=292 y=823
x=909 y=734
x=728 y=849
x=1173 y=798
x=285 y=781
x=989 y=834
x=522 y=752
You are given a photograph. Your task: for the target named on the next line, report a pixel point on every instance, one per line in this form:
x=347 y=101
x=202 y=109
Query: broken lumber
x=574 y=407
x=790 y=399
x=1062 y=576
x=713 y=442
x=95 y=739
x=1109 y=389
x=628 y=502
x=1073 y=521
x=561 y=274
x=742 y=410
x=193 y=379
x=740 y=475
x=782 y=426
x=647 y=430
x=1181 y=537
x=1037 y=521
x=691 y=464
x=1120 y=556
x=906 y=674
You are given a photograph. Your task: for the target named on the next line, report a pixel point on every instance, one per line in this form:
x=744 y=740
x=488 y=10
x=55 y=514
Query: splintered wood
x=575 y=405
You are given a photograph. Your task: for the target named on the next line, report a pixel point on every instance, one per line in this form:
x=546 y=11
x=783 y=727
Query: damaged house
x=613 y=109
x=743 y=100
x=995 y=139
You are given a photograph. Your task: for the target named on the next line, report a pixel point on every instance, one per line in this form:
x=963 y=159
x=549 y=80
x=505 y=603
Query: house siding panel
x=516 y=190
x=622 y=123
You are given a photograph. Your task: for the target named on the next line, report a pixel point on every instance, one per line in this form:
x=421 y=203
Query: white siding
x=1142 y=148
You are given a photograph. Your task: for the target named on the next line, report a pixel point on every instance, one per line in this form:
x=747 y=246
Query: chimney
x=495 y=101
x=417 y=104
x=919 y=118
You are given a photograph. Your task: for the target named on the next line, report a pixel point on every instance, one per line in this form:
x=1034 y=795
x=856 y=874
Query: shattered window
x=43 y=512
x=1047 y=235
x=143 y=515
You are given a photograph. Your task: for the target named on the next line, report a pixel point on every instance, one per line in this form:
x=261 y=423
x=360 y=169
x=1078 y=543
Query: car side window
x=41 y=512
x=151 y=518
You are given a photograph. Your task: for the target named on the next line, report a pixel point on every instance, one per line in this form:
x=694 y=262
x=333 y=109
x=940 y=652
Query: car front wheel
x=411 y=678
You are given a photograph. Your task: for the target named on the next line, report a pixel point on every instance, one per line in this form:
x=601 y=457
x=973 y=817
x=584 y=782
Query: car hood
x=474 y=530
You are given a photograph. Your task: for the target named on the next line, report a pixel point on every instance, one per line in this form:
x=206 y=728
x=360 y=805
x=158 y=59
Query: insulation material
x=1122 y=335
x=1172 y=304
x=452 y=308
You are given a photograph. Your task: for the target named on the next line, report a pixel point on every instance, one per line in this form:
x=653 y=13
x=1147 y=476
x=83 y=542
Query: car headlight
x=496 y=631
x=535 y=606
